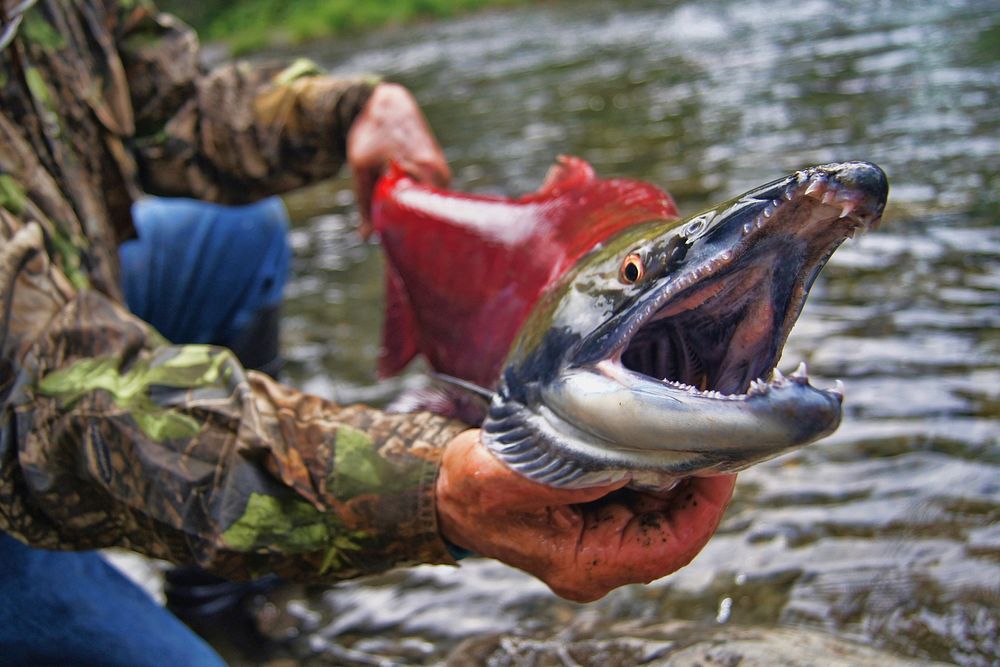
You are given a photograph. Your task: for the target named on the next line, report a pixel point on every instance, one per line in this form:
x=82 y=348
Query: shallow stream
x=888 y=532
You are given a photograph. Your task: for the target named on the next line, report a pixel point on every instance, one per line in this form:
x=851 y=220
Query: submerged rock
x=677 y=645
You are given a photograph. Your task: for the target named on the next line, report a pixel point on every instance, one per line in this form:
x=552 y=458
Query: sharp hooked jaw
x=682 y=390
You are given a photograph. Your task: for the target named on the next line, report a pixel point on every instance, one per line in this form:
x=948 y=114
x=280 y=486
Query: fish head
x=654 y=357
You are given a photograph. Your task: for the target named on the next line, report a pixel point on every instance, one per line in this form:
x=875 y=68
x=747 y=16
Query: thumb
x=526 y=495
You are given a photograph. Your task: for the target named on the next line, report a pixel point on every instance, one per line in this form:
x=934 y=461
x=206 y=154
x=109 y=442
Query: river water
x=888 y=532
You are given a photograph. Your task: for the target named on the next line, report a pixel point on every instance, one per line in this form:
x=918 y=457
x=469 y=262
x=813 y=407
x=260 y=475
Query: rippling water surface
x=888 y=531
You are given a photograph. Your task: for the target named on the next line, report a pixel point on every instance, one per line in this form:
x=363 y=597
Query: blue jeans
x=205 y=273
x=69 y=608
x=199 y=273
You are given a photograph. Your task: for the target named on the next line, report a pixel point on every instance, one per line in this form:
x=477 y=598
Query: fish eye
x=632 y=269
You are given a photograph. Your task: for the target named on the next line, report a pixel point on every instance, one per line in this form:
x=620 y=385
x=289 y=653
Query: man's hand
x=581 y=542
x=391 y=127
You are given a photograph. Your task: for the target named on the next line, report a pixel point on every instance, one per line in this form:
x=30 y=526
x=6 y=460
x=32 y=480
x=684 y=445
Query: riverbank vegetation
x=252 y=24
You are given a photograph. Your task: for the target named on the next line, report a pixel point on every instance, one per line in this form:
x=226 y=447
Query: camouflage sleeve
x=238 y=132
x=109 y=436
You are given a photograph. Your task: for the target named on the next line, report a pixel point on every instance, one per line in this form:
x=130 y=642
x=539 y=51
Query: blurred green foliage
x=252 y=24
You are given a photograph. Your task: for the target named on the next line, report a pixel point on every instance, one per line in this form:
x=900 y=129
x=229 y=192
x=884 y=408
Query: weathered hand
x=391 y=128
x=581 y=542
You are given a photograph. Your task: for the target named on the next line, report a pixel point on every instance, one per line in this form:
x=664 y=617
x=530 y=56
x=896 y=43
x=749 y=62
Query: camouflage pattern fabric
x=108 y=434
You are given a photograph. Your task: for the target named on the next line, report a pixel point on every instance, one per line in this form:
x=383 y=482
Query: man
x=109 y=435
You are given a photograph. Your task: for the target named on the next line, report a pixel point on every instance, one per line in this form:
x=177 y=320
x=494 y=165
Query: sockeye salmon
x=617 y=340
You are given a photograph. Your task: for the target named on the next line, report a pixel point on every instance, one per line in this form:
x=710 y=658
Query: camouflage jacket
x=108 y=434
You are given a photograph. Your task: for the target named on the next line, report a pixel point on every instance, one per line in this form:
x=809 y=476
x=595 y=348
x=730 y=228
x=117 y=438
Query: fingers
x=391 y=128
x=632 y=537
x=512 y=491
x=581 y=542
x=664 y=536
x=427 y=165
x=484 y=506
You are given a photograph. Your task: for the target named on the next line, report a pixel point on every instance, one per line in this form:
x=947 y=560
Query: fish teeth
x=815 y=186
x=838 y=389
x=801 y=374
x=711 y=393
x=679 y=385
x=757 y=387
x=848 y=208
x=777 y=377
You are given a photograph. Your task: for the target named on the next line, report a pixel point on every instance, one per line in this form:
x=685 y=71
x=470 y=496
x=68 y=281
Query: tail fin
x=399 y=331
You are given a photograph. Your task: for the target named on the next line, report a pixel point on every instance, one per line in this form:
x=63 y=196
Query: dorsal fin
x=568 y=172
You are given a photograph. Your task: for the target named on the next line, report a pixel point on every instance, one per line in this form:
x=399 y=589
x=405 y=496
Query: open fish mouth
x=724 y=333
x=682 y=379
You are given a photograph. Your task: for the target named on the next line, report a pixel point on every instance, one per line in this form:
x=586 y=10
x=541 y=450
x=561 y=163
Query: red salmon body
x=463 y=271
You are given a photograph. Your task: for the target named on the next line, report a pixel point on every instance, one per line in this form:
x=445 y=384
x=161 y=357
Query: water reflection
x=888 y=531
